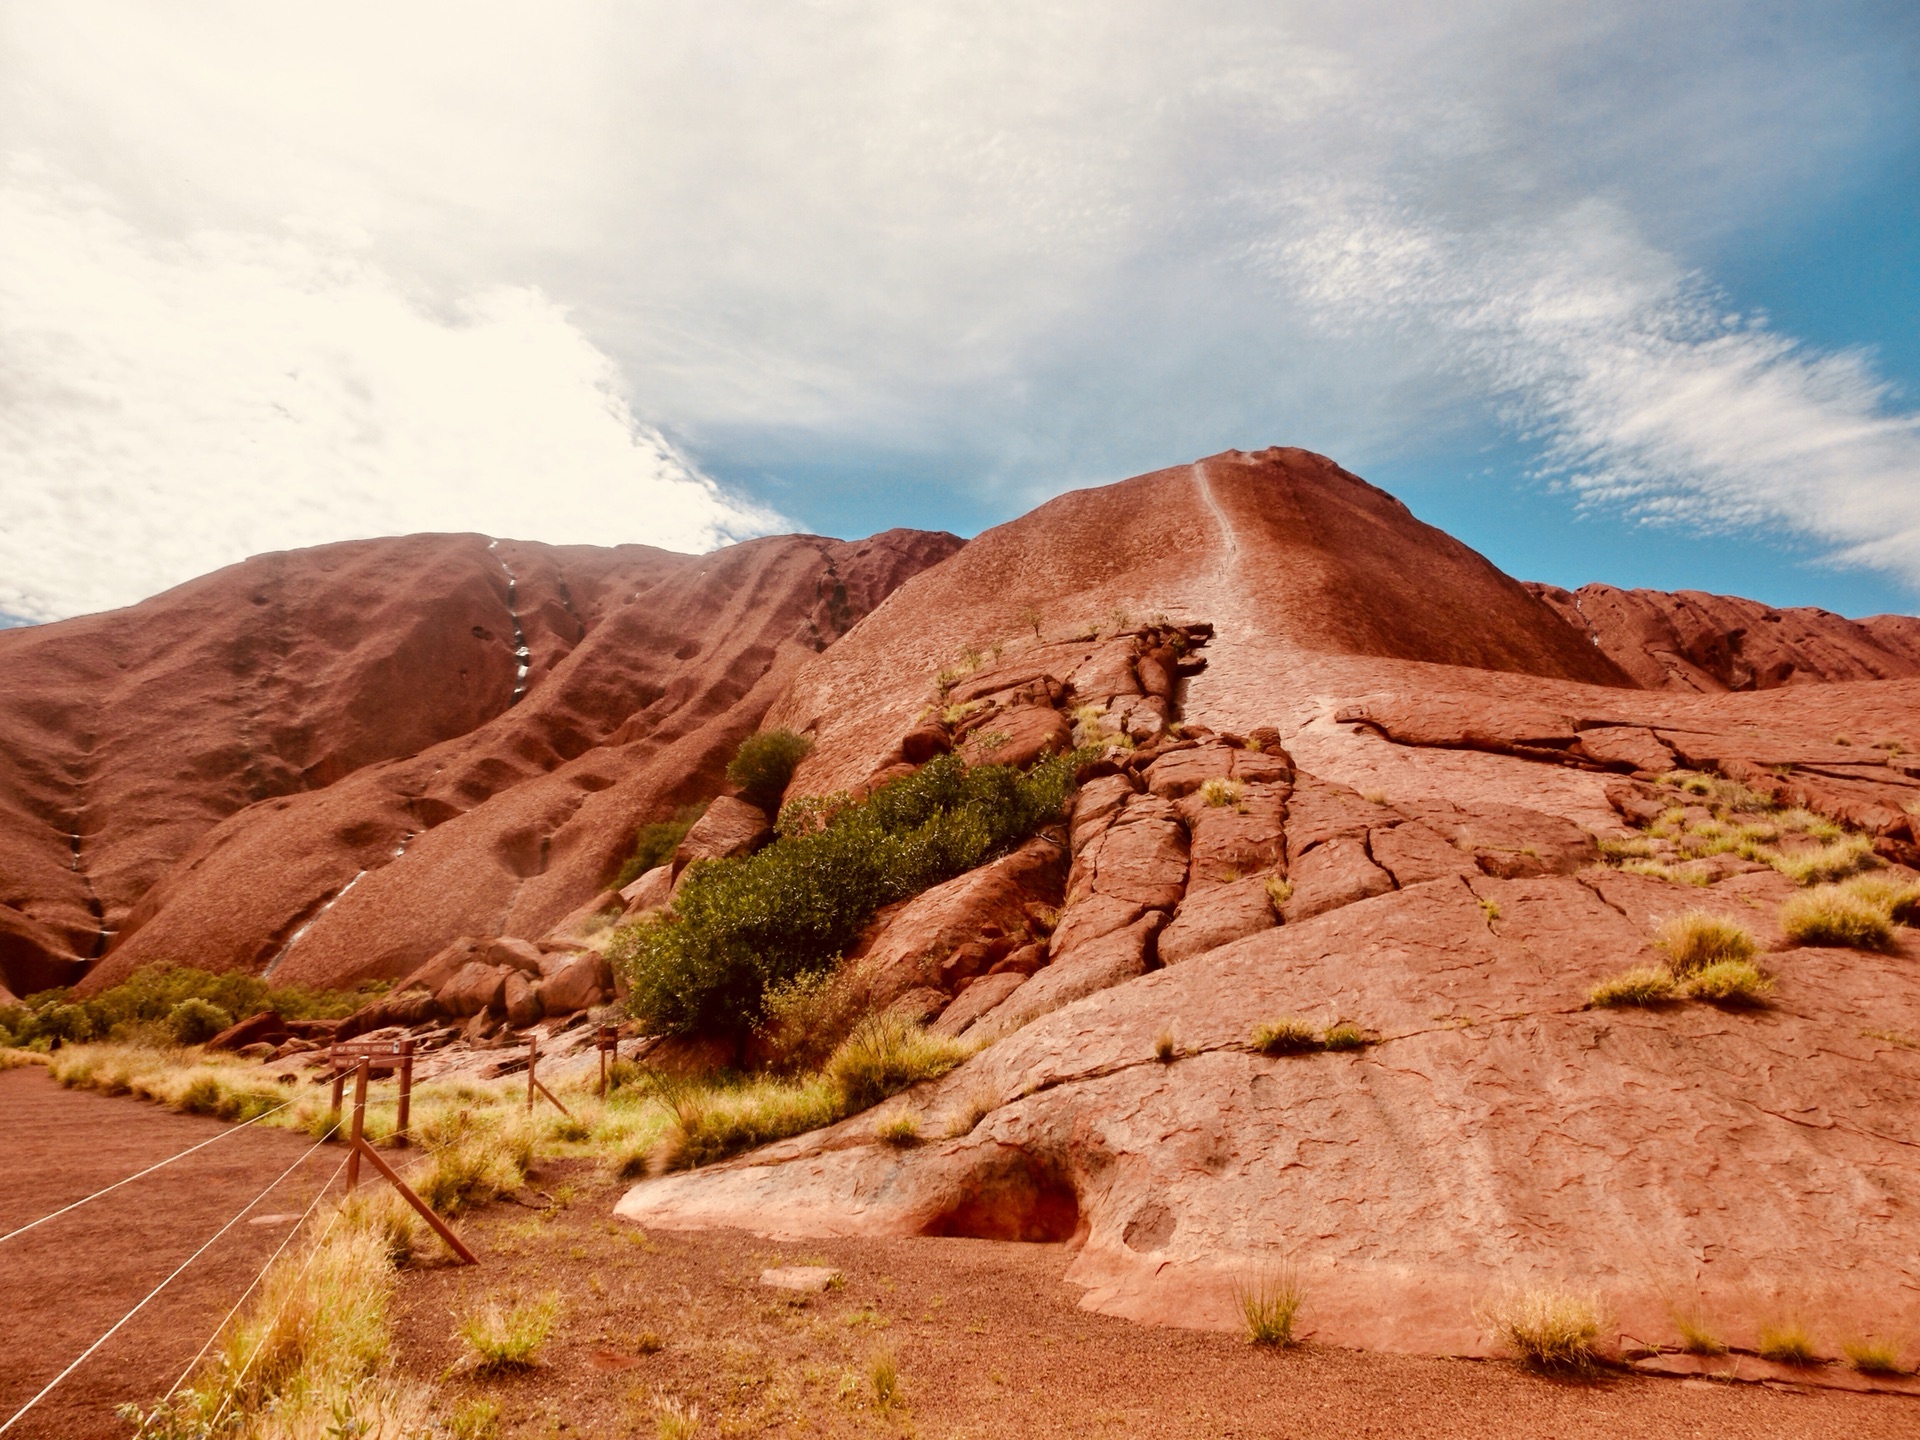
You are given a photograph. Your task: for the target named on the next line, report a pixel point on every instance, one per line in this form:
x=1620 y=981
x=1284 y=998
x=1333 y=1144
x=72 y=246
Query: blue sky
x=1616 y=291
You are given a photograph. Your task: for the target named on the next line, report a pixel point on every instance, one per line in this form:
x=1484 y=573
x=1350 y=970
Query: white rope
x=292 y=1231
x=231 y=1130
x=49 y=1387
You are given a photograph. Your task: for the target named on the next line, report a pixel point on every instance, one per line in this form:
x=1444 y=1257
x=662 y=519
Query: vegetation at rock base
x=1786 y=1342
x=764 y=765
x=1286 y=1036
x=163 y=1005
x=654 y=844
x=1871 y=1355
x=1696 y=1336
x=1270 y=1304
x=1549 y=1329
x=743 y=926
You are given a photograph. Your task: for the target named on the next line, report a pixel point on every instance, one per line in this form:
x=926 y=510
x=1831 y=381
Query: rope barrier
x=254 y=1284
x=230 y=1130
x=178 y=1270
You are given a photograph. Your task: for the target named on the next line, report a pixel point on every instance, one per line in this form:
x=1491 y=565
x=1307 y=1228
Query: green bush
x=740 y=926
x=765 y=764
x=654 y=844
x=196 y=1021
x=141 y=1006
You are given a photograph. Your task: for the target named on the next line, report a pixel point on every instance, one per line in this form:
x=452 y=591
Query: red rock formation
x=233 y=754
x=1690 y=640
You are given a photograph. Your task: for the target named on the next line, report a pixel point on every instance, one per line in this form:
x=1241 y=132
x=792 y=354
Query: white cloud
x=172 y=405
x=1042 y=245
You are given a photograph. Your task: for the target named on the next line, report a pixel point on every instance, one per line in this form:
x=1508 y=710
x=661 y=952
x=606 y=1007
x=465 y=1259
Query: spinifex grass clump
x=1698 y=939
x=1649 y=985
x=1288 y=1035
x=741 y=926
x=1838 y=916
x=1549 y=1329
x=501 y=1339
x=1270 y=1303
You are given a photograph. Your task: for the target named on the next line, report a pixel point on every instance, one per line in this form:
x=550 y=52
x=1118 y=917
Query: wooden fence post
x=400 y=1136
x=533 y=1064
x=359 y=1121
x=339 y=1077
x=608 y=1039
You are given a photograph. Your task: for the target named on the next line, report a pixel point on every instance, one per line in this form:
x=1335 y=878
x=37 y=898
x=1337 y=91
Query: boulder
x=1230 y=841
x=1097 y=803
x=1024 y=961
x=1331 y=875
x=1019 y=737
x=522 y=1000
x=923 y=742
x=1157 y=672
x=731 y=826
x=444 y=965
x=588 y=920
x=585 y=981
x=907 y=944
x=1625 y=747
x=919 y=1004
x=1210 y=918
x=266 y=1026
x=1185 y=771
x=1271 y=766
x=1090 y=919
x=1413 y=853
x=979 y=998
x=1321 y=810
x=521 y=955
x=474 y=987
x=1140 y=857
x=1111 y=960
x=650 y=892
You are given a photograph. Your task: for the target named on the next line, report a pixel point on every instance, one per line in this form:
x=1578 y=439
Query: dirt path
x=989 y=1342
x=64 y=1283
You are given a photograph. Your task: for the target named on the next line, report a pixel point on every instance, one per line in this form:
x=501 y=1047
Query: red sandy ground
x=65 y=1283
x=987 y=1337
x=988 y=1341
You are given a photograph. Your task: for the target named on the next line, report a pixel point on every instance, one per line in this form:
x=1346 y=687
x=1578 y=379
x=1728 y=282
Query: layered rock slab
x=1498 y=1134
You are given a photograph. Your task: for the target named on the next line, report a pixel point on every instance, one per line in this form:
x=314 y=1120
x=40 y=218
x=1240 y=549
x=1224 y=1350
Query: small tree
x=765 y=765
x=196 y=1021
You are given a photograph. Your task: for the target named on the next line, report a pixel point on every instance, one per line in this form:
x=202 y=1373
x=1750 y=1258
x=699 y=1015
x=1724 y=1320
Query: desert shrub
x=140 y=1006
x=502 y=1340
x=1872 y=1356
x=1270 y=1303
x=1831 y=915
x=1698 y=939
x=1787 y=1343
x=765 y=764
x=1843 y=857
x=196 y=1021
x=654 y=844
x=1288 y=1035
x=66 y=1023
x=899 y=1128
x=1647 y=986
x=741 y=926
x=885 y=1054
x=1549 y=1329
x=1729 y=982
x=806 y=1019
x=1898 y=897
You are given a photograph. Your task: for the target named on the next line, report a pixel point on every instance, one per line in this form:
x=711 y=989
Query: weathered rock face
x=316 y=762
x=1338 y=809
x=1694 y=641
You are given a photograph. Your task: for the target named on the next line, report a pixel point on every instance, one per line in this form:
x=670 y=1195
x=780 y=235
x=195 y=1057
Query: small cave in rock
x=1016 y=1196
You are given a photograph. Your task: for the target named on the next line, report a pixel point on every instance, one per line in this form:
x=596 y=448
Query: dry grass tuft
x=1164 y=1048
x=1552 y=1330
x=1647 y=986
x=1835 y=861
x=1872 y=1356
x=1899 y=898
x=1833 y=915
x=1220 y=792
x=1288 y=1035
x=673 y=1420
x=1344 y=1036
x=899 y=1128
x=1270 y=1303
x=976 y=1107
x=1729 y=982
x=1787 y=1343
x=506 y=1340
x=1696 y=1338
x=885 y=1054
x=1279 y=891
x=1698 y=939
x=883 y=1374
